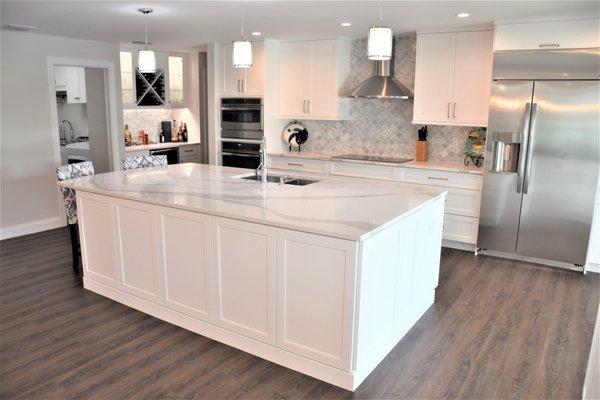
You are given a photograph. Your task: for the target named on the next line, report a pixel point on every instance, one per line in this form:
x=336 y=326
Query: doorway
x=82 y=115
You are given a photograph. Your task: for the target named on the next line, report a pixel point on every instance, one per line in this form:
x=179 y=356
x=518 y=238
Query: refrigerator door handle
x=534 y=109
x=524 y=143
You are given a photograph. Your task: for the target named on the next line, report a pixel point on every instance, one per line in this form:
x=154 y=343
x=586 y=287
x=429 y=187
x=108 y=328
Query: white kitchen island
x=324 y=279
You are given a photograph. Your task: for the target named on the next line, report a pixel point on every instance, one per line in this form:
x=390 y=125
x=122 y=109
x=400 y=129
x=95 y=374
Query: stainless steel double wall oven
x=241 y=132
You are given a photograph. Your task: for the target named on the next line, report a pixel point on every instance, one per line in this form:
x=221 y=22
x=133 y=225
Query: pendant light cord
x=146 y=28
x=243 y=15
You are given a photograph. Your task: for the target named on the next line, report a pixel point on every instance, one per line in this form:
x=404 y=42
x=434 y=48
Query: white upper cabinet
x=311 y=77
x=453 y=78
x=75 y=83
x=60 y=77
x=547 y=35
x=127 y=78
x=177 y=81
x=242 y=82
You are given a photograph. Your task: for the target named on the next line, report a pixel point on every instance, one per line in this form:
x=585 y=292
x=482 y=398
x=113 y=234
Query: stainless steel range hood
x=383 y=84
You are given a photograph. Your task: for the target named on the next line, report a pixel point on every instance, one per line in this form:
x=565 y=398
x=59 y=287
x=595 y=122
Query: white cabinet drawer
x=460 y=229
x=441 y=178
x=185 y=151
x=463 y=202
x=297 y=164
x=363 y=170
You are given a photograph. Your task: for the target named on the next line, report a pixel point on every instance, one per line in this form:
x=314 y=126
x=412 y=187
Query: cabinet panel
x=252 y=84
x=433 y=78
x=75 y=84
x=463 y=202
x=472 y=77
x=96 y=235
x=186 y=273
x=82 y=92
x=363 y=170
x=292 y=79
x=297 y=164
x=441 y=178
x=243 y=274
x=460 y=229
x=231 y=76
x=177 y=81
x=60 y=77
x=137 y=247
x=311 y=268
x=323 y=96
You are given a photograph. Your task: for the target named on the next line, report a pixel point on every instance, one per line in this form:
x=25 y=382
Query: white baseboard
x=592 y=267
x=31 y=227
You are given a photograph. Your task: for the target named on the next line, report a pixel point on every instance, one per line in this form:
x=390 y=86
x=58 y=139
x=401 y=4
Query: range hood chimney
x=383 y=84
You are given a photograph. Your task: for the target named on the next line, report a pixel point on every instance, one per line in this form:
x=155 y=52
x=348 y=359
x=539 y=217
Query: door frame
x=110 y=78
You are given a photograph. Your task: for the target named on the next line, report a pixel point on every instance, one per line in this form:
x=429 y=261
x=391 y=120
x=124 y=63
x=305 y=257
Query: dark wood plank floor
x=498 y=329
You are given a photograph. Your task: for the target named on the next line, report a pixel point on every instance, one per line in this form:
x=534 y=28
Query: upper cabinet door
x=232 y=81
x=292 y=93
x=127 y=78
x=75 y=77
x=323 y=96
x=433 y=78
x=60 y=78
x=472 y=77
x=177 y=80
x=252 y=78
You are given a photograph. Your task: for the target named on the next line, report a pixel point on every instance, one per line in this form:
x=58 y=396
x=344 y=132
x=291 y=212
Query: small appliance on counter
x=294 y=135
x=421 y=148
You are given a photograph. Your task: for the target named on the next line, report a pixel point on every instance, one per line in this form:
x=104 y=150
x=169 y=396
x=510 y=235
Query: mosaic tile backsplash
x=384 y=127
x=147 y=119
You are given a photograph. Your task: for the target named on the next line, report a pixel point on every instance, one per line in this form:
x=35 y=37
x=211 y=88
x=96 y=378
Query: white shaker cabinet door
x=311 y=268
x=252 y=78
x=231 y=77
x=96 y=236
x=293 y=93
x=243 y=273
x=472 y=77
x=433 y=78
x=186 y=274
x=136 y=248
x=323 y=97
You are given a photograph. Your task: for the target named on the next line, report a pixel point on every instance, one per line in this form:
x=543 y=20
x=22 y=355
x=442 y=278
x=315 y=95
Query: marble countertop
x=154 y=146
x=347 y=208
x=435 y=165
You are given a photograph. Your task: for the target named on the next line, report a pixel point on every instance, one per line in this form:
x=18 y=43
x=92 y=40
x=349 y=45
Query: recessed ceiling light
x=345 y=24
x=462 y=15
x=256 y=33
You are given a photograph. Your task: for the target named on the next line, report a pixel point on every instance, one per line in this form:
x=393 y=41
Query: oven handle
x=233 y=140
x=242 y=108
x=225 y=153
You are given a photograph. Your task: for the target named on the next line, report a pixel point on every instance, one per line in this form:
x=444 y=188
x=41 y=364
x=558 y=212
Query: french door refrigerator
x=542 y=155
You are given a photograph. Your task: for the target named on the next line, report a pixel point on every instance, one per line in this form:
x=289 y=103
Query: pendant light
x=380 y=41
x=146 y=58
x=242 y=49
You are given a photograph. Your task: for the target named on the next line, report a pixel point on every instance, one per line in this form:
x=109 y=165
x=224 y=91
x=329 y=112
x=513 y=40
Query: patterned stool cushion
x=72 y=171
x=135 y=162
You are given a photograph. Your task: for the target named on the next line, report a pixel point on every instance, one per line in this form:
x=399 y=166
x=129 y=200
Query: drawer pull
x=437 y=179
x=188 y=150
x=553 y=45
x=296 y=164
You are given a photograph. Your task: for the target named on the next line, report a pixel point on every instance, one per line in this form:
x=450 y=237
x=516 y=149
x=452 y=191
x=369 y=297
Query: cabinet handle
x=243 y=86
x=308 y=106
x=454 y=110
x=294 y=164
x=238 y=85
x=554 y=45
x=436 y=178
x=448 y=112
x=304 y=106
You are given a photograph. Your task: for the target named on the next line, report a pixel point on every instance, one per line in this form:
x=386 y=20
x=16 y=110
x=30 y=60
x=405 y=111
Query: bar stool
x=136 y=162
x=63 y=173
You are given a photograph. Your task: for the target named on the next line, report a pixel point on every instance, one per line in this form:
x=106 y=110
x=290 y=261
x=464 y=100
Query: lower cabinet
x=311 y=268
x=244 y=277
x=137 y=261
x=186 y=275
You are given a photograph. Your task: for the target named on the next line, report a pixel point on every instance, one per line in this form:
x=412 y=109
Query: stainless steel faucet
x=63 y=132
x=262 y=170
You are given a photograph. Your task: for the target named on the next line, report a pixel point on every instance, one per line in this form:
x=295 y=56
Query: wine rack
x=150 y=88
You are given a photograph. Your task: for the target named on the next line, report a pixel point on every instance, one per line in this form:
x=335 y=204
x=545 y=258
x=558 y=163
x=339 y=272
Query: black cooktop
x=364 y=157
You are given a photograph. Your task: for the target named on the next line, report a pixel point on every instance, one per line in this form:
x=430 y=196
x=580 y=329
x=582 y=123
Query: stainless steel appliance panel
x=242 y=114
x=561 y=173
x=510 y=104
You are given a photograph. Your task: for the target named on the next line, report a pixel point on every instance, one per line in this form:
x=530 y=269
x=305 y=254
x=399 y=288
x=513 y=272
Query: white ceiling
x=185 y=24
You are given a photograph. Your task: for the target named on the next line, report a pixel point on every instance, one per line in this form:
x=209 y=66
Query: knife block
x=421 y=151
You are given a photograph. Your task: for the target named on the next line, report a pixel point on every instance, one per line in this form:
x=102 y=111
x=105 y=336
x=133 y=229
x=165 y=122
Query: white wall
x=76 y=114
x=97 y=120
x=29 y=200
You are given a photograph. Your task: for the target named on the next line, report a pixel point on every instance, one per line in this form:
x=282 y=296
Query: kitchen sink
x=286 y=180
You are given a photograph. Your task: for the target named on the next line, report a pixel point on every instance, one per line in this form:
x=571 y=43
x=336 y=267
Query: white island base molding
x=328 y=307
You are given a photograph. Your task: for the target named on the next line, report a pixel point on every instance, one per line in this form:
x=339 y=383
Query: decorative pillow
x=72 y=171
x=135 y=162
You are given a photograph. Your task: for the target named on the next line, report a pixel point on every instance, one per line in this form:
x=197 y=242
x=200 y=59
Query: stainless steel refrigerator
x=542 y=155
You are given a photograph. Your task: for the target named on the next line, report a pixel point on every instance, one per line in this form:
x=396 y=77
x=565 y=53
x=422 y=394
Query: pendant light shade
x=146 y=58
x=146 y=61
x=380 y=43
x=242 y=54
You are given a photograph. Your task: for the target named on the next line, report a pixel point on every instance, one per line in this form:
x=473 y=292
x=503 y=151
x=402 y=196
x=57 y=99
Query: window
x=127 y=80
x=176 y=79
